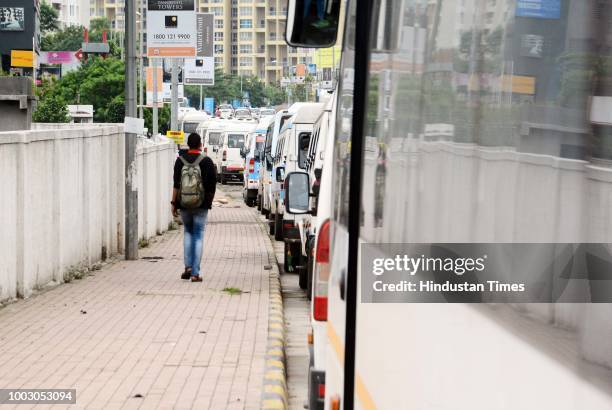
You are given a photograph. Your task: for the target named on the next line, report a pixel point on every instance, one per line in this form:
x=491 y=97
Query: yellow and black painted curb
x=274 y=394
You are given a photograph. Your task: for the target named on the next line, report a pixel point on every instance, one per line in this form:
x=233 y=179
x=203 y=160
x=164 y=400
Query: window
x=235 y=140
x=303 y=142
x=217 y=11
x=246 y=49
x=218 y=48
x=218 y=36
x=246 y=61
x=246 y=11
x=213 y=138
x=246 y=23
x=218 y=23
x=246 y=36
x=218 y=61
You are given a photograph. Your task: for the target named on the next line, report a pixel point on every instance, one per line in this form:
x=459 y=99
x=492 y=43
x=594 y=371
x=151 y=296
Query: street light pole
x=140 y=60
x=131 y=180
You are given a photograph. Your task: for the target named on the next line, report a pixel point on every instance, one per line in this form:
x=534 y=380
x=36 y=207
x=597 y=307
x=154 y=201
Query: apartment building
x=113 y=10
x=71 y=12
x=249 y=38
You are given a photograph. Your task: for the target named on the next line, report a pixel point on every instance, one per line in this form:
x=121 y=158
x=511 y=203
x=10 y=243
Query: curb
x=275 y=395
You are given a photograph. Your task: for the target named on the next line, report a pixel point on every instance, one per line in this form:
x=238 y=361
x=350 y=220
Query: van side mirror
x=312 y=24
x=297 y=193
x=280 y=174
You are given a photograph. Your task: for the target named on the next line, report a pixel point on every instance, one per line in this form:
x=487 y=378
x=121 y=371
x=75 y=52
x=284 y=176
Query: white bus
x=521 y=183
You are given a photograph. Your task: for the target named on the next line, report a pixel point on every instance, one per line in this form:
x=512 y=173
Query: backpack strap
x=184 y=161
x=199 y=159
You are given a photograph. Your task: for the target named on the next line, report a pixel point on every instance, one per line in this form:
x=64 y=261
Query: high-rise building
x=71 y=12
x=249 y=38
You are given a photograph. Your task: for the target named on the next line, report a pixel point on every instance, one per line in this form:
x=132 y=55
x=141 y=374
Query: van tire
x=303 y=282
x=309 y=268
x=259 y=203
x=271 y=226
x=250 y=202
x=223 y=180
x=278 y=227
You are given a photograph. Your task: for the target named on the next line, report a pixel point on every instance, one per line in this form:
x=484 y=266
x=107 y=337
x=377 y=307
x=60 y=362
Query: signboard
x=171 y=28
x=132 y=125
x=532 y=46
x=518 y=84
x=58 y=57
x=12 y=19
x=205 y=33
x=149 y=87
x=541 y=9
x=167 y=92
x=200 y=71
x=209 y=105
x=176 y=136
x=95 y=48
x=22 y=58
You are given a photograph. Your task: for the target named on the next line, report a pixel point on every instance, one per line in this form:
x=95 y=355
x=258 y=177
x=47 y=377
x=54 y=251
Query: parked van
x=230 y=163
x=213 y=138
x=252 y=161
x=291 y=154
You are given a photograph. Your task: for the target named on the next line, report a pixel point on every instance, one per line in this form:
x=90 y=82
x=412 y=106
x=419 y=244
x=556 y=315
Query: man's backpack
x=192 y=188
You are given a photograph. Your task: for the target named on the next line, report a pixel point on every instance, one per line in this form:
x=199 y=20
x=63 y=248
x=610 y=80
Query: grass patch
x=143 y=243
x=233 y=291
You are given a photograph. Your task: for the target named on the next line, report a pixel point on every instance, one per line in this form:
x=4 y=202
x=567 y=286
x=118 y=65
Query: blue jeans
x=194 y=222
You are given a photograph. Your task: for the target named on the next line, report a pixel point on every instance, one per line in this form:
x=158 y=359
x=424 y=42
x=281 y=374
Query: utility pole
x=131 y=180
x=140 y=61
x=174 y=85
x=201 y=90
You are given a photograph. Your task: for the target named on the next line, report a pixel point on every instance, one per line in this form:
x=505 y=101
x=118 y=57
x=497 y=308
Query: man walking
x=195 y=179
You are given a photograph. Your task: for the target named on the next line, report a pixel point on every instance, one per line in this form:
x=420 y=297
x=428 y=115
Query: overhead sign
x=176 y=136
x=171 y=28
x=542 y=9
x=205 y=34
x=22 y=58
x=149 y=87
x=58 y=57
x=95 y=48
x=200 y=71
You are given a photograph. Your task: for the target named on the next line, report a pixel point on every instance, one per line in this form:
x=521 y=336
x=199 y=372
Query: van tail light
x=224 y=155
x=252 y=165
x=321 y=274
x=321 y=390
x=288 y=224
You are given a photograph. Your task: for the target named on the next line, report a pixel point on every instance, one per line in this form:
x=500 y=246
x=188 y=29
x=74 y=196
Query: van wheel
x=223 y=180
x=271 y=226
x=259 y=203
x=250 y=202
x=309 y=269
x=278 y=227
x=303 y=277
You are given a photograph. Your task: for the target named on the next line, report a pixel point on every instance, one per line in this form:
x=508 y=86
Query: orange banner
x=171 y=52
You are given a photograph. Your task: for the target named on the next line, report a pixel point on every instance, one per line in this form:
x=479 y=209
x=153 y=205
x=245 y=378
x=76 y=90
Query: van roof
x=308 y=113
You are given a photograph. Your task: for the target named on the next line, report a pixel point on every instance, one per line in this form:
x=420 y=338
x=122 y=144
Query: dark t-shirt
x=209 y=178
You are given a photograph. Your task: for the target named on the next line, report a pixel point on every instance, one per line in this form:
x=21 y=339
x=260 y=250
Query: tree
x=48 y=18
x=51 y=109
x=67 y=39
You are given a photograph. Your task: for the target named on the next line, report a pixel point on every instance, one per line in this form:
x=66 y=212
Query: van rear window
x=235 y=141
x=213 y=138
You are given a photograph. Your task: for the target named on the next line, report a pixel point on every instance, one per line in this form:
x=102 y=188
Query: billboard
x=542 y=9
x=171 y=28
x=58 y=57
x=200 y=71
x=209 y=105
x=12 y=19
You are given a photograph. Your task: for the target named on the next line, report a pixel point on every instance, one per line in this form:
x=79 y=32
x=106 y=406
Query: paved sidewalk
x=136 y=336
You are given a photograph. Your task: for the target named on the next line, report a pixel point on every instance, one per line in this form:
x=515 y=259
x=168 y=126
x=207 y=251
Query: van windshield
x=235 y=141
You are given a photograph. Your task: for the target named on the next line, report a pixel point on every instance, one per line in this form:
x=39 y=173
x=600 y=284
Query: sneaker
x=186 y=275
x=196 y=279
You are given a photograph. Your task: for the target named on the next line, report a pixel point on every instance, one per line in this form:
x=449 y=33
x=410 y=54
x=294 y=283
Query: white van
x=291 y=155
x=213 y=138
x=230 y=164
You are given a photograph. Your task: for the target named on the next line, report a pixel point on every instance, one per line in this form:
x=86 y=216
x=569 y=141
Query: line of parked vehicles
x=279 y=158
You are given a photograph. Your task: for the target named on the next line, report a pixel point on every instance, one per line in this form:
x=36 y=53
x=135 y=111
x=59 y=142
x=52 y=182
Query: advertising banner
x=542 y=9
x=58 y=57
x=171 y=28
x=22 y=58
x=12 y=19
x=167 y=92
x=205 y=33
x=176 y=136
x=149 y=86
x=209 y=105
x=200 y=71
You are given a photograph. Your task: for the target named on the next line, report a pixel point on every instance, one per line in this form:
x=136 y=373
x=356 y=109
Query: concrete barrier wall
x=62 y=201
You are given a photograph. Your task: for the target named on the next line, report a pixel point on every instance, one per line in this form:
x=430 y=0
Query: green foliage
x=227 y=88
x=67 y=39
x=99 y=82
x=163 y=118
x=51 y=109
x=48 y=18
